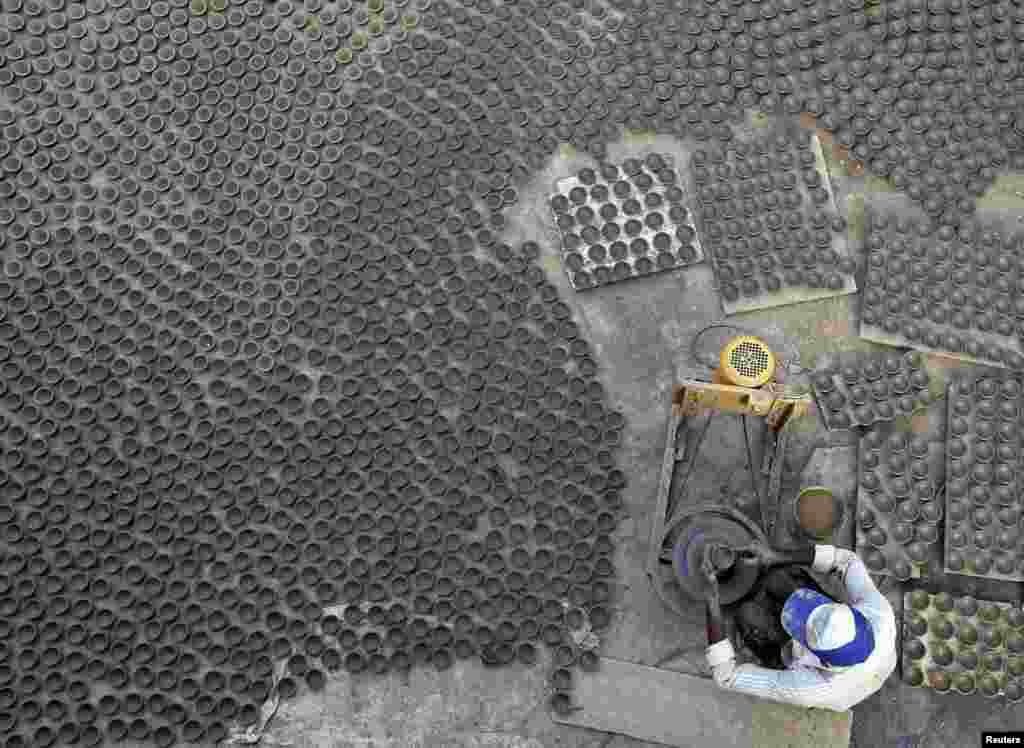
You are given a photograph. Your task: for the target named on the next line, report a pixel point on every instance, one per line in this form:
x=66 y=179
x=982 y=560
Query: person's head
x=837 y=634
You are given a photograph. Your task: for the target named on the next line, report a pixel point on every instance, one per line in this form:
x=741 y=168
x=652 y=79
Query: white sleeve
x=799 y=686
x=860 y=587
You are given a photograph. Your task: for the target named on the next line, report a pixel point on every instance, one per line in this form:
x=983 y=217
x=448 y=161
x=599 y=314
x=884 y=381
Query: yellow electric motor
x=745 y=361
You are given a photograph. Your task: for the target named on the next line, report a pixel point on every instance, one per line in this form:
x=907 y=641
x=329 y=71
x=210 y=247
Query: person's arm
x=715 y=620
x=804 y=687
x=860 y=588
x=801 y=687
x=766 y=556
x=826 y=559
x=863 y=595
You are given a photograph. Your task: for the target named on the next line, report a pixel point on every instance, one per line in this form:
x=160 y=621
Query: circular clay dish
x=818 y=512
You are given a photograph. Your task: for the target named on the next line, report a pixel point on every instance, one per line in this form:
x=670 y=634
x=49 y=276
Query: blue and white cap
x=837 y=634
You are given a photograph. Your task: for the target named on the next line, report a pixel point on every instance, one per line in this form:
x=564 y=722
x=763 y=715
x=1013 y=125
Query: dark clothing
x=759 y=615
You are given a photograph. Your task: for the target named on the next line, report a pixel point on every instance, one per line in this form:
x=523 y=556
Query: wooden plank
x=663 y=706
x=878 y=335
x=786 y=296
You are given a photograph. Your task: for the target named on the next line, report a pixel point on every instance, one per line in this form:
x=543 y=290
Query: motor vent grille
x=747 y=362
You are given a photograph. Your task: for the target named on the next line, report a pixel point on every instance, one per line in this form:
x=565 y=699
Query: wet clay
x=817 y=513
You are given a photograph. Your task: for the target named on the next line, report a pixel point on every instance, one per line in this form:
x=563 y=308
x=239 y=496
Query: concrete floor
x=641 y=332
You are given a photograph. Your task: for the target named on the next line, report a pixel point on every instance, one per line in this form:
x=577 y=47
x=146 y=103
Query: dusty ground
x=641 y=331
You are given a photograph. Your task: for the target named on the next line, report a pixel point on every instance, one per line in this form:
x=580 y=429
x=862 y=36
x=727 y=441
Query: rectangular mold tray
x=983 y=482
x=619 y=226
x=927 y=289
x=963 y=645
x=899 y=476
x=753 y=208
x=855 y=389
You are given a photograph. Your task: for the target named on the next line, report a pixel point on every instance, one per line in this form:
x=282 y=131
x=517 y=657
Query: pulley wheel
x=681 y=582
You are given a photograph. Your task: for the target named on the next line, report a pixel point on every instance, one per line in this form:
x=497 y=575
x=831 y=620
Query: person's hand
x=711 y=592
x=757 y=553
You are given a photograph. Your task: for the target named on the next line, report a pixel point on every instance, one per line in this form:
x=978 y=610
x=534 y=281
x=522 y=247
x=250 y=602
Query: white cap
x=830 y=626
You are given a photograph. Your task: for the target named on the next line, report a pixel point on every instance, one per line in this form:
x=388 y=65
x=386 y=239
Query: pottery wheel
x=713 y=528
